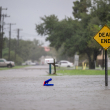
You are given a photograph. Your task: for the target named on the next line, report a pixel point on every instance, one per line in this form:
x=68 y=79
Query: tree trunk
x=91 y=64
x=92 y=58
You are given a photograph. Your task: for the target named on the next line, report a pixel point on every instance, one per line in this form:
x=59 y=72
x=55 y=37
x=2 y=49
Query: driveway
x=22 y=89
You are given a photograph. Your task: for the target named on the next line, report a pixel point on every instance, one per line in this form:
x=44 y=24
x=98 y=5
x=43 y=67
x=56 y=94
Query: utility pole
x=3 y=23
x=17 y=46
x=3 y=16
x=102 y=59
x=1 y=39
x=18 y=30
x=10 y=38
x=0 y=34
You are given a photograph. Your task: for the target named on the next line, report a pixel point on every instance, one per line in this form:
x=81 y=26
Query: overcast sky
x=27 y=13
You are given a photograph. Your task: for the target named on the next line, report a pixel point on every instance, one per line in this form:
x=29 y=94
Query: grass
x=16 y=67
x=82 y=72
x=65 y=71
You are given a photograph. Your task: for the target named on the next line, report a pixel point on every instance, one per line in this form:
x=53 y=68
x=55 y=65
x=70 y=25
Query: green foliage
x=18 y=60
x=5 y=52
x=15 y=67
x=26 y=50
x=63 y=31
x=108 y=24
x=47 y=26
x=80 y=7
x=82 y=72
x=101 y=9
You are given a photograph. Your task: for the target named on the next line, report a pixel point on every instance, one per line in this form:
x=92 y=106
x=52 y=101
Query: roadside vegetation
x=81 y=72
x=27 y=50
x=16 y=67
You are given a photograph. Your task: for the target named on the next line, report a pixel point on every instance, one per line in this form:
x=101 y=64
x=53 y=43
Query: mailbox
x=49 y=61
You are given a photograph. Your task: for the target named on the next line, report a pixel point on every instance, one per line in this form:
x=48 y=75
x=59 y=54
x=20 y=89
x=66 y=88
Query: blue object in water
x=48 y=84
x=47 y=81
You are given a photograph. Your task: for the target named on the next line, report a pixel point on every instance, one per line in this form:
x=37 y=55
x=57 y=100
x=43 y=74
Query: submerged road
x=22 y=89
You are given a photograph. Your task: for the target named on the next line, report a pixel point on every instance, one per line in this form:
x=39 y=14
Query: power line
x=29 y=34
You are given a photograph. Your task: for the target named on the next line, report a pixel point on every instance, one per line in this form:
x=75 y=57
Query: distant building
x=100 y=59
x=47 y=49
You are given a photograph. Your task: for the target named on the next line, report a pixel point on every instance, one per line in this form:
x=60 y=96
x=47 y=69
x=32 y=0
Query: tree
x=74 y=35
x=89 y=28
x=80 y=7
x=101 y=9
x=36 y=51
x=81 y=42
x=47 y=26
x=28 y=50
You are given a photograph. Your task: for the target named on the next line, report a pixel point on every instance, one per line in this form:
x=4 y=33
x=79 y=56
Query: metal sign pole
x=106 y=69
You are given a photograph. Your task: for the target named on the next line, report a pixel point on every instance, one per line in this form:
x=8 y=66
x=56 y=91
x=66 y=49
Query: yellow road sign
x=103 y=37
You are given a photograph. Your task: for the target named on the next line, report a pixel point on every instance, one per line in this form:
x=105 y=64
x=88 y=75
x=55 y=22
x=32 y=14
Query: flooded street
x=22 y=89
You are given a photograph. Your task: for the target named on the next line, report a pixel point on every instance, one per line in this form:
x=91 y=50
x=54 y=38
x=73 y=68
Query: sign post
x=76 y=59
x=50 y=68
x=51 y=61
x=103 y=38
x=106 y=69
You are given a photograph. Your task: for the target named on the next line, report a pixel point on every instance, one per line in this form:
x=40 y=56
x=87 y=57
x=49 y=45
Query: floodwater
x=22 y=89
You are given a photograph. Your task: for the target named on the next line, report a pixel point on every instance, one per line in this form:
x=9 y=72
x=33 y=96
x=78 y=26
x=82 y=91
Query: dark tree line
x=26 y=50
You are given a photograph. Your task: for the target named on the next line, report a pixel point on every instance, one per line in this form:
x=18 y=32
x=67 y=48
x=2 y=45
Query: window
x=1 y=60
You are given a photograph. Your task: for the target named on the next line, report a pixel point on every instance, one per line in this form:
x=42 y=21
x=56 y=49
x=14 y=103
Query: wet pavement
x=22 y=89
